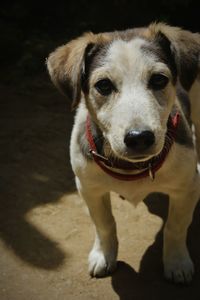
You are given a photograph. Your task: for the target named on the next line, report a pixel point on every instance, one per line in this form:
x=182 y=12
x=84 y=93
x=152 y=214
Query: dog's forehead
x=131 y=59
x=130 y=53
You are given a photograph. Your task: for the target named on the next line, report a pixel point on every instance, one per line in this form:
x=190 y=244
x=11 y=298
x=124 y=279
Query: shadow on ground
x=35 y=168
x=149 y=283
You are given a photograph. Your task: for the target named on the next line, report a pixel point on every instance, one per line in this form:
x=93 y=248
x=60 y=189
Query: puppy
x=132 y=132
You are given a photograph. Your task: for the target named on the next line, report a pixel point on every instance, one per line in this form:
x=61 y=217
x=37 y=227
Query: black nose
x=139 y=140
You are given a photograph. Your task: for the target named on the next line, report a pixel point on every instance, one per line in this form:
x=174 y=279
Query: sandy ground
x=46 y=232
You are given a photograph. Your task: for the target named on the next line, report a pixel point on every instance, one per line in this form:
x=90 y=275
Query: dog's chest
x=95 y=180
x=134 y=191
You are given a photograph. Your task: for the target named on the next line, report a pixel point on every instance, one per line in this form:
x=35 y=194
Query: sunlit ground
x=66 y=231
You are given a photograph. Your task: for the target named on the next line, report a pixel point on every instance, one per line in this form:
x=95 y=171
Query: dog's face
x=128 y=83
x=130 y=93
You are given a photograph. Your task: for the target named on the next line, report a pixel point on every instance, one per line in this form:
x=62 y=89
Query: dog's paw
x=179 y=270
x=99 y=265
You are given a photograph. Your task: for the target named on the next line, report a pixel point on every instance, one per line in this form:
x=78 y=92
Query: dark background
x=29 y=30
x=35 y=128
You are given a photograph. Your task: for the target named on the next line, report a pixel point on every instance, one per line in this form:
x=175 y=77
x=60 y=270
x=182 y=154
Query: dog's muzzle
x=118 y=168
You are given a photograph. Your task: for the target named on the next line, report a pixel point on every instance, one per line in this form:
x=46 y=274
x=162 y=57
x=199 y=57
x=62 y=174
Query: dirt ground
x=46 y=232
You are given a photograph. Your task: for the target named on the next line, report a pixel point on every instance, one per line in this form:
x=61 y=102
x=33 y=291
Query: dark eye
x=158 y=81
x=105 y=87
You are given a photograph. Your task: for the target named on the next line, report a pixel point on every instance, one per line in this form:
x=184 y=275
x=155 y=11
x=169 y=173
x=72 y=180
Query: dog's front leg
x=102 y=258
x=178 y=265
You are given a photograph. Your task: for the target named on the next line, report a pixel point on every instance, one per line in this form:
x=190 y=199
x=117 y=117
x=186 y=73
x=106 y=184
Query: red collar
x=148 y=168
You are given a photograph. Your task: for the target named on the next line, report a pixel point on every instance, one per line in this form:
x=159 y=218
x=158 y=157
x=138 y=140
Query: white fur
x=130 y=69
x=135 y=107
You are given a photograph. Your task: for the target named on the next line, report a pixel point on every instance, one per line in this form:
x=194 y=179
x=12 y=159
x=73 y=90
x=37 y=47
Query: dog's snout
x=139 y=140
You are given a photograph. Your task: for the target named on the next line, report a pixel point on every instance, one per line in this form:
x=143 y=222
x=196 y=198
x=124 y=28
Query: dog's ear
x=66 y=65
x=184 y=46
x=167 y=52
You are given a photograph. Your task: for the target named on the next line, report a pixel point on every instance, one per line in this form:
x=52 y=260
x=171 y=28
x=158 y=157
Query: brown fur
x=186 y=48
x=66 y=62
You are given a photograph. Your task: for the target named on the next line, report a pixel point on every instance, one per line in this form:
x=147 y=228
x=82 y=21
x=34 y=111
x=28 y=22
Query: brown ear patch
x=90 y=52
x=66 y=63
x=160 y=46
x=185 y=47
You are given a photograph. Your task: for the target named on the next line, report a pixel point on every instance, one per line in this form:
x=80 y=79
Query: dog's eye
x=105 y=87
x=158 y=81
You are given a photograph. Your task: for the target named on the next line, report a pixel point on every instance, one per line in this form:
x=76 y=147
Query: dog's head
x=128 y=80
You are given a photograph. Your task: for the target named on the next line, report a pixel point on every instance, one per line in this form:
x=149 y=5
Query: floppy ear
x=66 y=65
x=185 y=47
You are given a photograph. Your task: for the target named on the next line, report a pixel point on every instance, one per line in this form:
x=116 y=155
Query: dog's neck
x=123 y=169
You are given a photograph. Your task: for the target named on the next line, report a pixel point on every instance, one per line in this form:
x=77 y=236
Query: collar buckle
x=94 y=153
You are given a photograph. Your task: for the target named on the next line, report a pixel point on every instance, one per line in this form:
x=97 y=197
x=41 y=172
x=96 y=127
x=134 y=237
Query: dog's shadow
x=149 y=282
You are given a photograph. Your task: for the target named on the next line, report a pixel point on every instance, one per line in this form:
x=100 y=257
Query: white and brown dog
x=132 y=132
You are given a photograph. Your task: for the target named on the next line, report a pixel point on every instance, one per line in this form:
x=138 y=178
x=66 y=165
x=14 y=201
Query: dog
x=137 y=108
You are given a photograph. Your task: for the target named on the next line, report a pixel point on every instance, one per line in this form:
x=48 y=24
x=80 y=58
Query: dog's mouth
x=127 y=160
x=136 y=158
x=139 y=158
x=134 y=150
x=131 y=157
